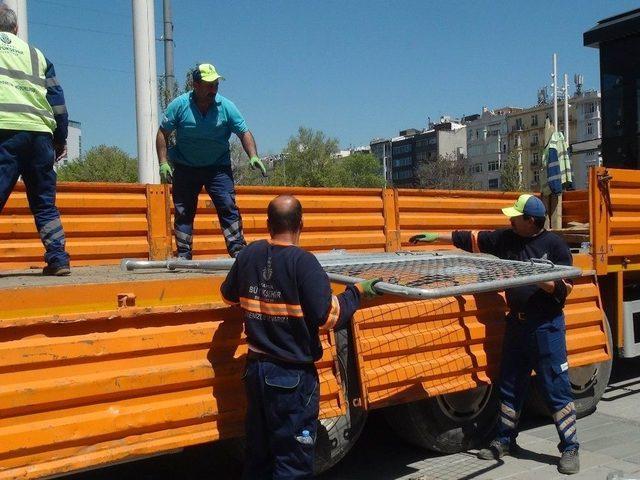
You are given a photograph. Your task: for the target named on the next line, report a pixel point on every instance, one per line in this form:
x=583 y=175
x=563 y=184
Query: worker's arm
x=560 y=255
x=162 y=139
x=249 y=146
x=55 y=97
x=476 y=241
x=321 y=308
x=166 y=172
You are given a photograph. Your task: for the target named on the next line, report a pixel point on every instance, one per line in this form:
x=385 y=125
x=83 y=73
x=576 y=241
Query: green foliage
x=101 y=164
x=511 y=174
x=448 y=172
x=361 y=170
x=309 y=160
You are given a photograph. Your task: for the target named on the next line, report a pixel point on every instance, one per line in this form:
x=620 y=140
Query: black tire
x=588 y=383
x=335 y=435
x=448 y=423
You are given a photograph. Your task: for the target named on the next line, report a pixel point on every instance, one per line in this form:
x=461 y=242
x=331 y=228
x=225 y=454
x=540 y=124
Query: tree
x=309 y=161
x=511 y=174
x=101 y=164
x=448 y=172
x=361 y=170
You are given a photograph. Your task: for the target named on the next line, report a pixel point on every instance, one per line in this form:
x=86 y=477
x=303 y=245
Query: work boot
x=56 y=271
x=498 y=449
x=569 y=462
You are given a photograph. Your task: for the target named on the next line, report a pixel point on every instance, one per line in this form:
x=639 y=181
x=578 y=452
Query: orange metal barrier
x=615 y=219
x=333 y=218
x=575 y=207
x=446 y=210
x=85 y=383
x=411 y=350
x=103 y=223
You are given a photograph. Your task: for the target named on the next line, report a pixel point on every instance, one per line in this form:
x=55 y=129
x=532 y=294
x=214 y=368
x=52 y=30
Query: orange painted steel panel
x=444 y=211
x=618 y=235
x=334 y=219
x=412 y=350
x=575 y=207
x=84 y=383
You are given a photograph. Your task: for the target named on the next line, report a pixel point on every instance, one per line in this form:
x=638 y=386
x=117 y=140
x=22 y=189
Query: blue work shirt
x=202 y=141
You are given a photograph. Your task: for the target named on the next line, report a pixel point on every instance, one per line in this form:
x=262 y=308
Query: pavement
x=609 y=438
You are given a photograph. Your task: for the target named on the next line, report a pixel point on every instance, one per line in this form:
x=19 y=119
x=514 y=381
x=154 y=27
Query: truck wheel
x=448 y=423
x=587 y=385
x=337 y=435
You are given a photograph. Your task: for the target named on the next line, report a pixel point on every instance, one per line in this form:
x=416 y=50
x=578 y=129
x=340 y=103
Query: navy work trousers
x=218 y=182
x=282 y=401
x=541 y=346
x=31 y=155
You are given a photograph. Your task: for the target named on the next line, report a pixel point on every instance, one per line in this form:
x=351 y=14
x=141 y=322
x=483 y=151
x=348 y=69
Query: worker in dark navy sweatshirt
x=286 y=298
x=534 y=338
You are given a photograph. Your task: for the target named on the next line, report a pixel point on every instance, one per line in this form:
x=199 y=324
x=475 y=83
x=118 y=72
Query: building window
x=477 y=168
x=535 y=159
x=494 y=183
x=401 y=162
x=504 y=148
x=401 y=149
x=590 y=107
x=589 y=128
x=493 y=166
x=535 y=139
x=536 y=176
x=534 y=120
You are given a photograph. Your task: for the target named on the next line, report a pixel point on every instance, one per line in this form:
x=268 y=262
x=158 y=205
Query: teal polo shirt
x=202 y=141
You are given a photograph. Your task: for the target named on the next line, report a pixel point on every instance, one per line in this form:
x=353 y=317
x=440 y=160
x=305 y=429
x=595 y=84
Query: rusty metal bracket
x=126 y=300
x=603 y=183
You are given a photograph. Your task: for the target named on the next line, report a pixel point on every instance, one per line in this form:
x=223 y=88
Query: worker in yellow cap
x=203 y=121
x=535 y=334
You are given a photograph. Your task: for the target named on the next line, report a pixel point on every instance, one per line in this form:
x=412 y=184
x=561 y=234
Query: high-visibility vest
x=556 y=174
x=23 y=89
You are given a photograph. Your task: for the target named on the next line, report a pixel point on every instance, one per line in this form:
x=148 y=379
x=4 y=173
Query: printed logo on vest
x=5 y=38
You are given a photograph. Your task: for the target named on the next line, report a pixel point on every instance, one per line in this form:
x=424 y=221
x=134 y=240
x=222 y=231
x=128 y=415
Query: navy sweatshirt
x=285 y=296
x=505 y=243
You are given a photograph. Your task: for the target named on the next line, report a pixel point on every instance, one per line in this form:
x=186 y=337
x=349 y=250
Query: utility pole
x=566 y=109
x=144 y=51
x=169 y=77
x=20 y=7
x=554 y=77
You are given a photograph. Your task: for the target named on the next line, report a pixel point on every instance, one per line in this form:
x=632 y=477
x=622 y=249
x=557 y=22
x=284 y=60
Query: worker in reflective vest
x=33 y=135
x=535 y=331
x=285 y=297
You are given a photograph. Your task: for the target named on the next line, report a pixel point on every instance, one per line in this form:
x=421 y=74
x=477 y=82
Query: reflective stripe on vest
x=23 y=89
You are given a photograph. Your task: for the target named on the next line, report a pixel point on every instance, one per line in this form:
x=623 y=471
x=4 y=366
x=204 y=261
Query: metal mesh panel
x=432 y=276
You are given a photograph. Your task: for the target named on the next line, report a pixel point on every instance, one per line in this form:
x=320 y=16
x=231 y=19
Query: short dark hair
x=281 y=219
x=538 y=221
x=8 y=19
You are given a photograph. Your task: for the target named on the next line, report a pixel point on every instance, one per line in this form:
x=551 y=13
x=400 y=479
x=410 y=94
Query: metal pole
x=144 y=50
x=384 y=163
x=566 y=109
x=20 y=7
x=554 y=77
x=170 y=79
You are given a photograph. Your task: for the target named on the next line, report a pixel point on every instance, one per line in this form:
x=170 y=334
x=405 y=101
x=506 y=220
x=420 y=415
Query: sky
x=355 y=70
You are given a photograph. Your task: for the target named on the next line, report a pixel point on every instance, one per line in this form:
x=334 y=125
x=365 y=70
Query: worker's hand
x=427 y=237
x=61 y=150
x=367 y=288
x=255 y=162
x=166 y=173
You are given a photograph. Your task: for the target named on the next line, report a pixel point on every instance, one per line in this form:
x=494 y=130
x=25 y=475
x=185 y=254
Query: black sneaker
x=58 y=271
x=569 y=462
x=498 y=449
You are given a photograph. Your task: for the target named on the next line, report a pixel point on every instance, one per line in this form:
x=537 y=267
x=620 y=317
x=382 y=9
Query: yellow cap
x=205 y=72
